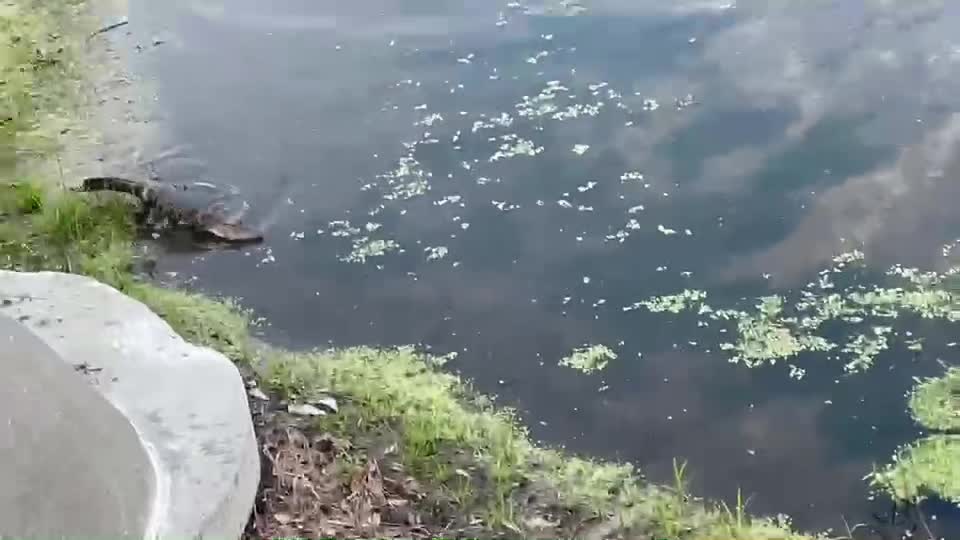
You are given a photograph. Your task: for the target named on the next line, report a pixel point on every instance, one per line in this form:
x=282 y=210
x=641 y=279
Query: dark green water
x=818 y=127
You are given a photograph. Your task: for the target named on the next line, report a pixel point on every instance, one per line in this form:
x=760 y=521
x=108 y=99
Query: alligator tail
x=138 y=189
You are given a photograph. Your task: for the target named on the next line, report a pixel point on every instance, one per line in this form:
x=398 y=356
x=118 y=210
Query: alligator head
x=220 y=224
x=233 y=232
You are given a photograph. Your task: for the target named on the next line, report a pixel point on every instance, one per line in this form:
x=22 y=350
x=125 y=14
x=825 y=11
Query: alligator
x=160 y=205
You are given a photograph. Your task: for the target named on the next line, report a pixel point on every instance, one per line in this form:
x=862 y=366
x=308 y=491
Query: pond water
x=517 y=174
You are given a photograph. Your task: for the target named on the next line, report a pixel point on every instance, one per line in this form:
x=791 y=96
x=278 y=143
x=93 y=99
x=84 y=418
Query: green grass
x=41 y=79
x=468 y=451
x=436 y=417
x=44 y=228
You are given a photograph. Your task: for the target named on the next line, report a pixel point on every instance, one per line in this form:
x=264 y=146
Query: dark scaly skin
x=158 y=200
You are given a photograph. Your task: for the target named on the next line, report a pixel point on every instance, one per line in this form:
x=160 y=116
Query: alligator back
x=146 y=190
x=160 y=200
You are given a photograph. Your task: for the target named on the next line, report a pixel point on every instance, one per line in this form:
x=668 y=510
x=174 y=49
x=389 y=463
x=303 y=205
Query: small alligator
x=160 y=205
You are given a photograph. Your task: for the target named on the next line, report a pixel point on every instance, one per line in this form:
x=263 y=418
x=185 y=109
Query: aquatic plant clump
x=672 y=303
x=935 y=403
x=364 y=247
x=775 y=329
x=589 y=358
x=864 y=348
x=931 y=465
x=515 y=146
x=765 y=338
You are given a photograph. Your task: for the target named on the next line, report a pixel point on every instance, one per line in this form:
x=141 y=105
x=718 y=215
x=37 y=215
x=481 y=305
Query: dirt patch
x=314 y=484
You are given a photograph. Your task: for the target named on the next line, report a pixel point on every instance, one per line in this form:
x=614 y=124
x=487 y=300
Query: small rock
x=305 y=409
x=257 y=393
x=327 y=402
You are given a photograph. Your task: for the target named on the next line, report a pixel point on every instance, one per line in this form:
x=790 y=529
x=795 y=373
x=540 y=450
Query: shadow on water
x=793 y=152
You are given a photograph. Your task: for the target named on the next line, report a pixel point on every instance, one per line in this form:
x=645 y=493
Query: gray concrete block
x=70 y=464
x=187 y=403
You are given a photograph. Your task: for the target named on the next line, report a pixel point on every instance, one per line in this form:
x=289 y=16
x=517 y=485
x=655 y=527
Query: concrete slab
x=71 y=466
x=187 y=403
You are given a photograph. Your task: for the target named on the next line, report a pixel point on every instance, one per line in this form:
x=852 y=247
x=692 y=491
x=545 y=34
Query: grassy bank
x=472 y=458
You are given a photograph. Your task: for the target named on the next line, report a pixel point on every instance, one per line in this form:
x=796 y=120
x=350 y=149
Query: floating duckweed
x=504 y=120
x=408 y=180
x=589 y=358
x=928 y=303
x=436 y=253
x=826 y=308
x=865 y=348
x=342 y=228
x=587 y=187
x=797 y=373
x=631 y=176
x=536 y=58
x=619 y=236
x=594 y=87
x=515 y=146
x=774 y=330
x=674 y=303
x=409 y=190
x=849 y=257
x=449 y=199
x=766 y=336
x=577 y=110
x=430 y=119
x=364 y=247
x=542 y=104
x=915 y=276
